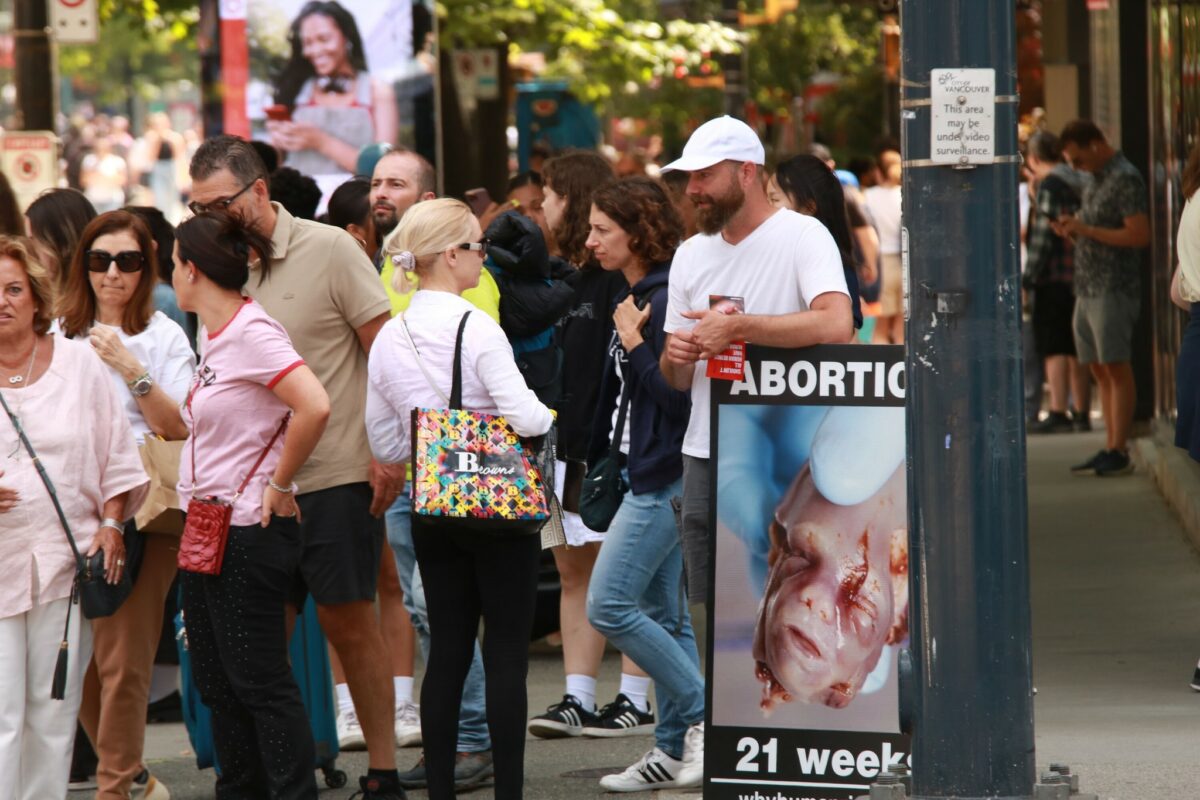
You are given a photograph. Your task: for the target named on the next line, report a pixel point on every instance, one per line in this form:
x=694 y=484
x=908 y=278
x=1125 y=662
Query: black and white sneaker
x=561 y=720
x=1196 y=679
x=655 y=770
x=620 y=718
x=1089 y=467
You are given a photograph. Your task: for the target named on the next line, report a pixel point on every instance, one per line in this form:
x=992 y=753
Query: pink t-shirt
x=232 y=412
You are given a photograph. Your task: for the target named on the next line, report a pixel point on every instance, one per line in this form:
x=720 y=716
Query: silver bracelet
x=289 y=490
x=115 y=524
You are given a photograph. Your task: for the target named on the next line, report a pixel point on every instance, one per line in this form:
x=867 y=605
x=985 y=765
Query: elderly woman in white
x=64 y=400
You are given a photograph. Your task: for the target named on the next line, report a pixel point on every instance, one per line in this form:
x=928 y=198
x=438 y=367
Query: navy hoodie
x=658 y=414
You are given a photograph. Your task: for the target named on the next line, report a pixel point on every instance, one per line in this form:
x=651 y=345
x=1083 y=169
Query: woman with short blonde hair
x=466 y=574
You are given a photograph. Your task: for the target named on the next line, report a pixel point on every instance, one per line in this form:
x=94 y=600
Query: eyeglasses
x=127 y=260
x=219 y=205
x=481 y=246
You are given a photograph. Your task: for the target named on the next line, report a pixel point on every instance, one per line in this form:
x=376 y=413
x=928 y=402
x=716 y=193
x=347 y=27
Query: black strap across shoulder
x=456 y=385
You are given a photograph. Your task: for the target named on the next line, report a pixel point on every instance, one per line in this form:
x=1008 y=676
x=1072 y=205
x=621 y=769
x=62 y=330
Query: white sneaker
x=691 y=774
x=408 y=725
x=349 y=732
x=655 y=770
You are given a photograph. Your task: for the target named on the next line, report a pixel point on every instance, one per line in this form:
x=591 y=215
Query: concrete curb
x=1175 y=473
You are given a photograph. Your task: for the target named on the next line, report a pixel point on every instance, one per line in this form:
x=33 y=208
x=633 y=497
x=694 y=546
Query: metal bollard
x=888 y=787
x=1052 y=786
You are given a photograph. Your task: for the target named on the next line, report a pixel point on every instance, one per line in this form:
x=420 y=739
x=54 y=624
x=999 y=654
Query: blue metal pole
x=970 y=692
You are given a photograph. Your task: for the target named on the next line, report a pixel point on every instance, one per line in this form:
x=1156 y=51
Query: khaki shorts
x=891 y=290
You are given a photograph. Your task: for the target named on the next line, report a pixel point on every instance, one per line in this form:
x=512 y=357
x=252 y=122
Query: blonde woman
x=467 y=575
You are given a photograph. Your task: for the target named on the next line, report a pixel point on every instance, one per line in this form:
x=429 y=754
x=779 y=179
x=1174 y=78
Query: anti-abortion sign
x=809 y=603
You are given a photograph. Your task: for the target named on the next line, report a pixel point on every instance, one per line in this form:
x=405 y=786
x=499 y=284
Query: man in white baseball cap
x=783 y=268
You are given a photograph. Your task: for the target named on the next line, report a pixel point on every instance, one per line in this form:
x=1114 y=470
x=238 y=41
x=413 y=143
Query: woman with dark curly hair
x=334 y=107
x=635 y=597
x=570 y=179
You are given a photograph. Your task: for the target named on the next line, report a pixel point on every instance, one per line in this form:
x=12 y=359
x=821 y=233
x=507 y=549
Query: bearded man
x=781 y=269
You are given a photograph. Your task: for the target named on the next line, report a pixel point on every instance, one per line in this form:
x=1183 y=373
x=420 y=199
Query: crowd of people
x=287 y=355
x=1086 y=232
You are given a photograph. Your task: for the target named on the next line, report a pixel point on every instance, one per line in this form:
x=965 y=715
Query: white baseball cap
x=720 y=139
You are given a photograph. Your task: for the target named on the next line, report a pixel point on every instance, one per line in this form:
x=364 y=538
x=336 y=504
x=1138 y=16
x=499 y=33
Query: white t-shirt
x=624 y=447
x=780 y=268
x=164 y=351
x=884 y=204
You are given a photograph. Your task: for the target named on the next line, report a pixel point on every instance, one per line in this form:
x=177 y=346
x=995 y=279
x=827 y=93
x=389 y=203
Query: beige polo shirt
x=322 y=287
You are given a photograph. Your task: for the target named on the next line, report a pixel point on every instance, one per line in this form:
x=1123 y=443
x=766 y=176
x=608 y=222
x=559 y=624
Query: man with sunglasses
x=325 y=292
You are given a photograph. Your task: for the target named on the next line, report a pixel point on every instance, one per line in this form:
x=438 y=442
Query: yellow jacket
x=485 y=296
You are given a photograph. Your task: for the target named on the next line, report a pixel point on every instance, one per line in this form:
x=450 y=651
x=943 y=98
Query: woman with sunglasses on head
x=255 y=412
x=109 y=302
x=467 y=574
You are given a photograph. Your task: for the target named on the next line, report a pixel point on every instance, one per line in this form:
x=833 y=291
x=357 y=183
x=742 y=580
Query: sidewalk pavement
x=1116 y=607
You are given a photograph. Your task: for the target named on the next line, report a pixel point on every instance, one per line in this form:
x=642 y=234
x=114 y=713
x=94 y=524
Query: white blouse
x=492 y=384
x=1188 y=242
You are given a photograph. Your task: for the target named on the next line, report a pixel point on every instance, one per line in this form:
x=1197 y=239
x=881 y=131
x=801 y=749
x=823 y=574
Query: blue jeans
x=473 y=734
x=636 y=600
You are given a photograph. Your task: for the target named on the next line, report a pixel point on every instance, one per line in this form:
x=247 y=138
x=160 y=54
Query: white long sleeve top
x=396 y=385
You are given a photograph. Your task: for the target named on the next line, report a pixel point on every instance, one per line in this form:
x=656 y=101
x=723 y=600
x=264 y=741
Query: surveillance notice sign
x=808 y=605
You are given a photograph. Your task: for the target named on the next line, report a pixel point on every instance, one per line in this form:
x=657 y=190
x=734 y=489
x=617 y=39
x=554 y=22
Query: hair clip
x=406 y=260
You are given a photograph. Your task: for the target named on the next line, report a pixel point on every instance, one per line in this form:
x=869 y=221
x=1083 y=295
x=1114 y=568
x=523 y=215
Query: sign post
x=970 y=694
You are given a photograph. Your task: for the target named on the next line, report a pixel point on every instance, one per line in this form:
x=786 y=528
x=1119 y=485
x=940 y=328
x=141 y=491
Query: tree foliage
x=143 y=45
x=603 y=48
x=619 y=56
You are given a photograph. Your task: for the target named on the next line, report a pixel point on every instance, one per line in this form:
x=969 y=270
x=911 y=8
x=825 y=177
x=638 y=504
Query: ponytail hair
x=426 y=230
x=220 y=244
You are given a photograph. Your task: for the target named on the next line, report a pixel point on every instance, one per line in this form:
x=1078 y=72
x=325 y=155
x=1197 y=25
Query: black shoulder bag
x=604 y=487
x=96 y=596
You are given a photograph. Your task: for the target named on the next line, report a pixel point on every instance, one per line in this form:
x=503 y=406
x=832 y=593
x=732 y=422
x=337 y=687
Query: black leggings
x=468 y=575
x=237 y=637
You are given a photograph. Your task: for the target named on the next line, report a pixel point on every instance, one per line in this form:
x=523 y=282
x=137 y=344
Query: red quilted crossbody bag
x=206 y=529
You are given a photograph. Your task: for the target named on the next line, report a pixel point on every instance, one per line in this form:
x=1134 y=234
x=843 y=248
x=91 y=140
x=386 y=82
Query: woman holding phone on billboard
x=327 y=105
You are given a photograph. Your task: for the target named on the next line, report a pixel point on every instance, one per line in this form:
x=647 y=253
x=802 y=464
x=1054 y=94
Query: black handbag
x=95 y=595
x=604 y=487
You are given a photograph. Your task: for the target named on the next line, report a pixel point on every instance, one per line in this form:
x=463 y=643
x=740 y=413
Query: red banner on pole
x=235 y=67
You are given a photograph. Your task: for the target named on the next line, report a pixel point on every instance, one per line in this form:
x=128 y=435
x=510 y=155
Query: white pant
x=37 y=733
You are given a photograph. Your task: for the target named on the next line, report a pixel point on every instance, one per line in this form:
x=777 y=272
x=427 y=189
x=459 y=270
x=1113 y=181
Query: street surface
x=1116 y=593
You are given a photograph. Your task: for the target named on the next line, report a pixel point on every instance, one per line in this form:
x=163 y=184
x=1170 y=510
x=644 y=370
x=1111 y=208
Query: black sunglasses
x=223 y=204
x=481 y=246
x=127 y=260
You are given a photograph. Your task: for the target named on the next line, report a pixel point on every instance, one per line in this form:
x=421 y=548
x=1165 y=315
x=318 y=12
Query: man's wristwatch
x=141 y=385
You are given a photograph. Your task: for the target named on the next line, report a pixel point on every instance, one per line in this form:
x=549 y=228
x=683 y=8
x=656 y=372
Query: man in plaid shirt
x=1048 y=275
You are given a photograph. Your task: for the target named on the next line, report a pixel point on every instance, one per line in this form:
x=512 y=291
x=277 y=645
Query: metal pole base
x=1057 y=784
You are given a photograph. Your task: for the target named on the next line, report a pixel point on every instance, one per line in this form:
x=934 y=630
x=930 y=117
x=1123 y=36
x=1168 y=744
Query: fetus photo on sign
x=836 y=594
x=812 y=566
